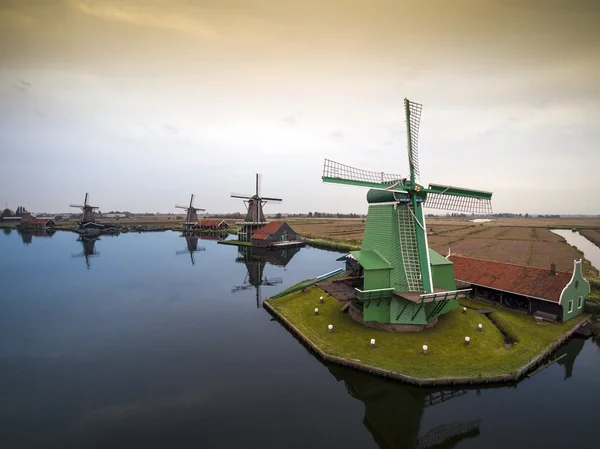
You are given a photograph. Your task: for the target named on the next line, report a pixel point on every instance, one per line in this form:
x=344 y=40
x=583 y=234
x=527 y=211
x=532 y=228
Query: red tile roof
x=209 y=222
x=39 y=221
x=512 y=278
x=264 y=232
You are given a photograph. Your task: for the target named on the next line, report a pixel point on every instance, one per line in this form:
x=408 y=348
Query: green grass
x=402 y=352
x=332 y=245
x=236 y=243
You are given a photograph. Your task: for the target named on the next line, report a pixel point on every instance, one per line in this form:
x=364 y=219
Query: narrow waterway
x=590 y=251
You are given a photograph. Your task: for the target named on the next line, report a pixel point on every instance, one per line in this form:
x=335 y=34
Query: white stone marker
x=372 y=342
x=330 y=327
x=316 y=311
x=467 y=340
x=424 y=349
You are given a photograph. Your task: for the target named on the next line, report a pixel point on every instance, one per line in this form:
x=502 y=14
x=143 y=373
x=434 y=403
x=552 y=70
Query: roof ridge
x=509 y=263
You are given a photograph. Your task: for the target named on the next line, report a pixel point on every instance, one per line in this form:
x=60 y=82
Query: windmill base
x=357 y=316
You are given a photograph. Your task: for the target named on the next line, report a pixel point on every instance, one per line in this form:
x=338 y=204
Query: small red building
x=214 y=224
x=274 y=232
x=545 y=293
x=38 y=223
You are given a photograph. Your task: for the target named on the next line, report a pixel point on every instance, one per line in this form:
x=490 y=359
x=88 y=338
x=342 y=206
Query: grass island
x=510 y=344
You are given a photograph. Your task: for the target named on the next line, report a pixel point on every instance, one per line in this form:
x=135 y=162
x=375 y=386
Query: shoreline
x=533 y=364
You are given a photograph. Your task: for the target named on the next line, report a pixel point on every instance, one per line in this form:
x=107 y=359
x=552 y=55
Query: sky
x=143 y=102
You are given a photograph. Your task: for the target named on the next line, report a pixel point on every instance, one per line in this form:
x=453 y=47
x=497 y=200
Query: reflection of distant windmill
x=192 y=247
x=255 y=260
x=192 y=217
x=89 y=249
x=393 y=412
x=88 y=211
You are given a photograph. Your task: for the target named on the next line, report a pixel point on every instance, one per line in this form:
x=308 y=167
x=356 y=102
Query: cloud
x=172 y=129
x=336 y=136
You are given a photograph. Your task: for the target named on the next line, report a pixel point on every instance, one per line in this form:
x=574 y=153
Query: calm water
x=144 y=345
x=590 y=251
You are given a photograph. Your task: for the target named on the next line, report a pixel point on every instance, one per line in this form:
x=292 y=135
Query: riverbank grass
x=448 y=356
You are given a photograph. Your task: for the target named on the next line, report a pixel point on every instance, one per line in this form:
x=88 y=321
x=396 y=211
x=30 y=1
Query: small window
x=580 y=302
x=570 y=306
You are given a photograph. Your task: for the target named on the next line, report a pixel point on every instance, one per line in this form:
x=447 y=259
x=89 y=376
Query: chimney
x=552 y=269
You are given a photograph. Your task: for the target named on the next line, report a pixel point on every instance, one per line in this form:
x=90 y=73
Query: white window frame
x=570 y=306
x=580 y=302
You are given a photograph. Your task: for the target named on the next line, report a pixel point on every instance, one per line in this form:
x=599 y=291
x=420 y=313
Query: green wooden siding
x=376 y=279
x=377 y=310
x=443 y=277
x=381 y=233
x=402 y=311
x=576 y=288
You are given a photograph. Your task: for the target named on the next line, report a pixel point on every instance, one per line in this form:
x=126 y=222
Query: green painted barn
x=546 y=293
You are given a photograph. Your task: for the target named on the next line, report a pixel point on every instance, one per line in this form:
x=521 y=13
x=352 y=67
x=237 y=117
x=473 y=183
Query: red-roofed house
x=276 y=231
x=38 y=223
x=547 y=293
x=207 y=223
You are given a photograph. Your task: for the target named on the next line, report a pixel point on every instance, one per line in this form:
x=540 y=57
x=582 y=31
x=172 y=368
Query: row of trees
x=18 y=213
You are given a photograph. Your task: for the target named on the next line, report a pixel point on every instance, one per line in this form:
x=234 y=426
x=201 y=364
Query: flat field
x=515 y=240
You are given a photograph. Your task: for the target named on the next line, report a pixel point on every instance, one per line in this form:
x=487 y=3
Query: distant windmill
x=192 y=247
x=255 y=216
x=89 y=250
x=192 y=217
x=88 y=211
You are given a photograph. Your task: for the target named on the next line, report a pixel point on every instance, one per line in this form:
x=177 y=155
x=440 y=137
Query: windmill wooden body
x=191 y=217
x=88 y=211
x=398 y=285
x=255 y=217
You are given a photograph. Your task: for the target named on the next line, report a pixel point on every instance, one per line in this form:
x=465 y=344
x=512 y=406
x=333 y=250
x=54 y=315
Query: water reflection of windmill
x=255 y=260
x=89 y=250
x=192 y=246
x=393 y=412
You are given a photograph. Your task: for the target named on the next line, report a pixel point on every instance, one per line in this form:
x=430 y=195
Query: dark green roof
x=437 y=259
x=370 y=259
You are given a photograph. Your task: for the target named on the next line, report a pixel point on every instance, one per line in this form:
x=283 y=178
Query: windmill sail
x=413 y=120
x=458 y=199
x=344 y=174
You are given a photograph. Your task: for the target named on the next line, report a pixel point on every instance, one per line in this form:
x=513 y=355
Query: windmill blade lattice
x=334 y=169
x=413 y=111
x=458 y=203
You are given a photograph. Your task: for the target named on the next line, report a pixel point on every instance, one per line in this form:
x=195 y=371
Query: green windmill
x=403 y=281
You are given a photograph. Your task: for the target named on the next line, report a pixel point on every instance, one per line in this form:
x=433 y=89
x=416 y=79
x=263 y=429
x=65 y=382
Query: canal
x=590 y=251
x=154 y=340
